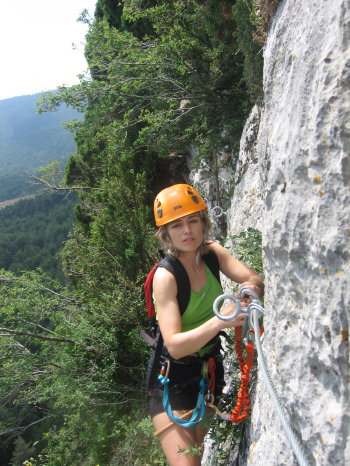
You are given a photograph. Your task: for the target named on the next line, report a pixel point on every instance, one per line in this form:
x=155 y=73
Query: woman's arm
x=237 y=271
x=180 y=343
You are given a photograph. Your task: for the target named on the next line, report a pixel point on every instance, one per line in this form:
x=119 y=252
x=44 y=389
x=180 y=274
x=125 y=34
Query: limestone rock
x=293 y=183
x=303 y=151
x=247 y=203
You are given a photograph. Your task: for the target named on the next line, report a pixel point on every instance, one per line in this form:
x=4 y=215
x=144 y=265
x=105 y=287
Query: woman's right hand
x=229 y=309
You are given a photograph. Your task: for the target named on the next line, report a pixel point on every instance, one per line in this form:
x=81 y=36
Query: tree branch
x=15 y=431
x=10 y=279
x=42 y=337
x=41 y=181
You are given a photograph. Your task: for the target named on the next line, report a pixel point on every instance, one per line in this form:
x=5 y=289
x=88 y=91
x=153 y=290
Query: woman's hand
x=229 y=309
x=247 y=298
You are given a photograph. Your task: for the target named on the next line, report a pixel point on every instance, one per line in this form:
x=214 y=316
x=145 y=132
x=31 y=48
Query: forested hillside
x=165 y=76
x=29 y=141
x=33 y=231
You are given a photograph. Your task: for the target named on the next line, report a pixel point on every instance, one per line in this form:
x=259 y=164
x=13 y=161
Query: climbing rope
x=241 y=410
x=254 y=312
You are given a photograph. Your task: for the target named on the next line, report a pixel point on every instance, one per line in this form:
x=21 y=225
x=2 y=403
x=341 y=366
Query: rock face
x=302 y=199
x=215 y=188
x=293 y=183
x=247 y=203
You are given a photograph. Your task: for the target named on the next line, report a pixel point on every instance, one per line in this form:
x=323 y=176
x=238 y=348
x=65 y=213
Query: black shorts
x=183 y=386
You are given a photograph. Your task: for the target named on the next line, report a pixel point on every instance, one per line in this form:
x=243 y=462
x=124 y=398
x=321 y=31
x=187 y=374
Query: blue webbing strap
x=199 y=409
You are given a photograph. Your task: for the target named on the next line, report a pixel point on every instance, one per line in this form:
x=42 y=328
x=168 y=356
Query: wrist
x=256 y=285
x=219 y=324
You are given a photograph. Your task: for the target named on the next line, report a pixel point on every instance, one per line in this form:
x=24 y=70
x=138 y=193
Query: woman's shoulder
x=164 y=283
x=163 y=276
x=162 y=272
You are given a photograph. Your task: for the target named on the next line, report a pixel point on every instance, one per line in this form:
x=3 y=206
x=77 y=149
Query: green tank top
x=200 y=306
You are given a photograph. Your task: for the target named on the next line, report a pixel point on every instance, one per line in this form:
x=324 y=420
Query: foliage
x=32 y=231
x=247 y=24
x=22 y=451
x=246 y=246
x=192 y=451
x=71 y=358
x=174 y=86
x=106 y=436
x=119 y=245
x=71 y=362
x=51 y=172
x=262 y=14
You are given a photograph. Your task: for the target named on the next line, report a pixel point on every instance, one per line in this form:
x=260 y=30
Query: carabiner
x=222 y=298
x=255 y=304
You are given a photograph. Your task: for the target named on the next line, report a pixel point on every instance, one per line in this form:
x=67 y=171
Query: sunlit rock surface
x=293 y=183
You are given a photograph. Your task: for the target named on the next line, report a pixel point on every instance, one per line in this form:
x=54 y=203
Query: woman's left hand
x=247 y=298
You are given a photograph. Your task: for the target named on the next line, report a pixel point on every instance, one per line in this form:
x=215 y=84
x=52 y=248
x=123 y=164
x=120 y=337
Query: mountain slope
x=29 y=141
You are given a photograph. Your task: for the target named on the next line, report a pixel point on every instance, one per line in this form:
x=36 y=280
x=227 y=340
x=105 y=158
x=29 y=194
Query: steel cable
x=294 y=439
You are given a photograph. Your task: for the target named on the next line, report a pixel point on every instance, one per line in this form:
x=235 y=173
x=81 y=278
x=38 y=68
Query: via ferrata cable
x=255 y=311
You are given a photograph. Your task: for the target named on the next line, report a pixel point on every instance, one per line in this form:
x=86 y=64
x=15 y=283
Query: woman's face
x=186 y=233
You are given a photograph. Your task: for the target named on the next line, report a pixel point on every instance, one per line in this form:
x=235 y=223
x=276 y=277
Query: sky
x=36 y=51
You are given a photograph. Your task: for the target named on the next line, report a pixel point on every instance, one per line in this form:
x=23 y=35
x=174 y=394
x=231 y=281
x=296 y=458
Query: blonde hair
x=167 y=245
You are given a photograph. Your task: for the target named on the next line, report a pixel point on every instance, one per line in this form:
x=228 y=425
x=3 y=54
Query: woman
x=191 y=337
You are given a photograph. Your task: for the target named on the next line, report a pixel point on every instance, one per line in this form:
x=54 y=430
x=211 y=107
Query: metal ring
x=248 y=291
x=213 y=212
x=222 y=298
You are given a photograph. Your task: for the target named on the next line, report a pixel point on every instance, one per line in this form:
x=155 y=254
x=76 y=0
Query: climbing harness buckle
x=250 y=335
x=249 y=338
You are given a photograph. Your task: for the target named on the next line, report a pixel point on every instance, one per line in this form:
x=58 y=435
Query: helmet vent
x=160 y=213
x=195 y=199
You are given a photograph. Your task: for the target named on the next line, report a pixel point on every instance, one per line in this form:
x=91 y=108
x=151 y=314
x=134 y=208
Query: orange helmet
x=175 y=202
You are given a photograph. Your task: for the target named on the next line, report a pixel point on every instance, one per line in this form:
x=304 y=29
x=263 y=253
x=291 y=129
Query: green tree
x=76 y=364
x=23 y=451
x=159 y=84
x=32 y=231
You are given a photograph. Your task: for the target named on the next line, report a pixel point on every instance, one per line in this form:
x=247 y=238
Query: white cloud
x=36 y=52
